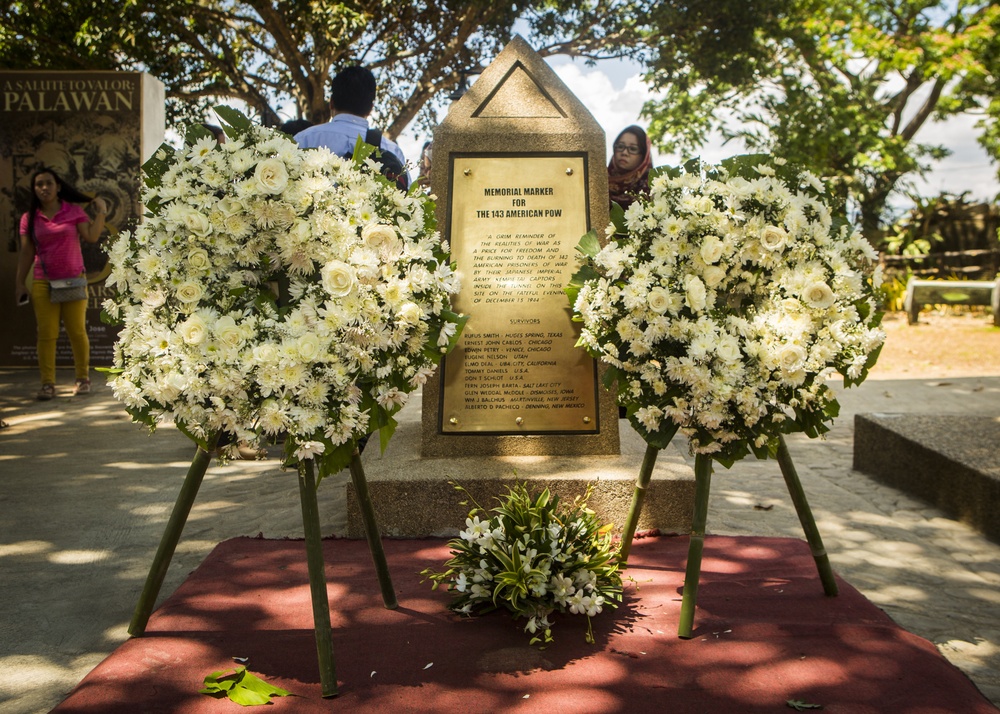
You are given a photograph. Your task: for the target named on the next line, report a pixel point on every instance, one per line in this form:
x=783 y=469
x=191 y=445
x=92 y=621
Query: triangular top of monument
x=520 y=85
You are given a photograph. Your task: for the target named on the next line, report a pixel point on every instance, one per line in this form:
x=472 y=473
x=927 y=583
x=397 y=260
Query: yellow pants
x=48 y=315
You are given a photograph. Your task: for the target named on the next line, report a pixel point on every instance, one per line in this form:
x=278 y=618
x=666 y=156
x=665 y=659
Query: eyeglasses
x=626 y=148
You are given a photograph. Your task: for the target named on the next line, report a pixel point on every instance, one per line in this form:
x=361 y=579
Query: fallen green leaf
x=241 y=686
x=800 y=706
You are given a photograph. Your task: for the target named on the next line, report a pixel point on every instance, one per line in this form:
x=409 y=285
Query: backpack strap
x=374 y=137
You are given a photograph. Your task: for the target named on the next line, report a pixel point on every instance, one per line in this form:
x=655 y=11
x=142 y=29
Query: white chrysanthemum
x=201 y=149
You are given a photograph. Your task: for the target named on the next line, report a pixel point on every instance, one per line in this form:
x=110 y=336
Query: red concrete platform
x=764 y=634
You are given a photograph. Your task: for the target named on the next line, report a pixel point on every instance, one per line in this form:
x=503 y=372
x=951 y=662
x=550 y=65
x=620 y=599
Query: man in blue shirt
x=352 y=96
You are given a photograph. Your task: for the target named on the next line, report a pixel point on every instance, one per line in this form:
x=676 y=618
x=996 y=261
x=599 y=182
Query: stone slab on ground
x=412 y=495
x=952 y=462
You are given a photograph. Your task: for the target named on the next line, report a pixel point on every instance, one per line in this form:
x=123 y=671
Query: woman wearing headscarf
x=51 y=234
x=628 y=170
x=628 y=173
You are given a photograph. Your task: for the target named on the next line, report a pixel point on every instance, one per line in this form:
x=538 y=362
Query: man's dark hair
x=294 y=126
x=353 y=91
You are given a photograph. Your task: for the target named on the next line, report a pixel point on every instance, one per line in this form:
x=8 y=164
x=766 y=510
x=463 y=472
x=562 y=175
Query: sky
x=614 y=93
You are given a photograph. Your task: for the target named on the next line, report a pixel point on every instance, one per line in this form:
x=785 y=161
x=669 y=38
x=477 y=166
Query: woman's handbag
x=68 y=289
x=64 y=289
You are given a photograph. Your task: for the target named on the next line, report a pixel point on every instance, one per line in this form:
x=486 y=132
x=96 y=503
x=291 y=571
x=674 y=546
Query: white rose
x=375 y=235
x=791 y=358
x=728 y=349
x=228 y=332
x=271 y=176
x=773 y=238
x=307 y=346
x=338 y=278
x=266 y=353
x=695 y=292
x=410 y=313
x=711 y=249
x=198 y=260
x=193 y=330
x=658 y=300
x=197 y=223
x=190 y=291
x=713 y=275
x=819 y=295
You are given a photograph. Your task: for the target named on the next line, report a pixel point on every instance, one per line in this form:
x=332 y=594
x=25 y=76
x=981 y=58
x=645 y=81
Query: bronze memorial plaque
x=515 y=222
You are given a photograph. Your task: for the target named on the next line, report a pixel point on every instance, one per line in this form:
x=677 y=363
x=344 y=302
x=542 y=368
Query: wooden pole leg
x=171 y=536
x=806 y=518
x=638 y=496
x=317 y=578
x=692 y=574
x=371 y=531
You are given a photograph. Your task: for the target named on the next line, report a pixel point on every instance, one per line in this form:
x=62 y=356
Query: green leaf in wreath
x=241 y=686
x=385 y=433
x=157 y=165
x=589 y=244
x=234 y=118
x=576 y=283
x=142 y=415
x=659 y=439
x=332 y=461
x=182 y=427
x=617 y=216
x=361 y=151
x=460 y=321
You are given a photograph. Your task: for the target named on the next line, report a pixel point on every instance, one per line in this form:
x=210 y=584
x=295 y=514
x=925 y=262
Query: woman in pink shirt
x=51 y=232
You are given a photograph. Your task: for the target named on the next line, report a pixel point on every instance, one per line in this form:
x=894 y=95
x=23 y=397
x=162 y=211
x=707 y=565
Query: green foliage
x=893 y=292
x=241 y=686
x=801 y=706
x=278 y=56
x=843 y=89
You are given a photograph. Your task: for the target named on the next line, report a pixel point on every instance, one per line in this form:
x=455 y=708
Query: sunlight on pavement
x=26 y=547
x=79 y=557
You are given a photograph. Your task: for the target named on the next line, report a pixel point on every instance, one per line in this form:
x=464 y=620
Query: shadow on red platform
x=764 y=634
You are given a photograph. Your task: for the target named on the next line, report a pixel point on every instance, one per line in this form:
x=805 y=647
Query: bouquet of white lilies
x=533 y=556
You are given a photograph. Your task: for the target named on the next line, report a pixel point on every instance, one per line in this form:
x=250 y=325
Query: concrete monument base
x=412 y=495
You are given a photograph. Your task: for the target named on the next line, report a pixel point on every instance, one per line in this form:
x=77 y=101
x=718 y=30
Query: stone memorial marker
x=520 y=176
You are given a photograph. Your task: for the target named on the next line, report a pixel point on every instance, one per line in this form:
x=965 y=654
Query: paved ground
x=84 y=495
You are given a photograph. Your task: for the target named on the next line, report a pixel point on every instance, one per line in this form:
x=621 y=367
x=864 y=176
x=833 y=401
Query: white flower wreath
x=208 y=340
x=723 y=303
